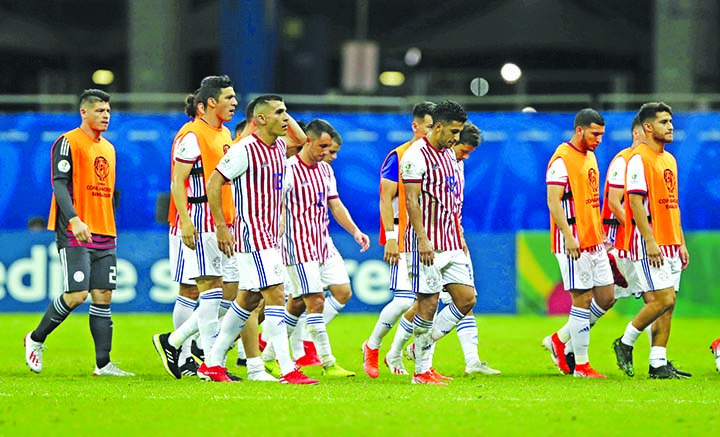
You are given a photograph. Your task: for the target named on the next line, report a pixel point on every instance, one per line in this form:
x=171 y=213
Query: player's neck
x=266 y=137
x=655 y=146
x=212 y=120
x=92 y=133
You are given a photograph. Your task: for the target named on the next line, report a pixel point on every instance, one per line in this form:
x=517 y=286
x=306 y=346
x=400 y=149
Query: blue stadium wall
x=505 y=193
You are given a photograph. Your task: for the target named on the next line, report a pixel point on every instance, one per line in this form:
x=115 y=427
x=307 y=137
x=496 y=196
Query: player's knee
x=189 y=291
x=466 y=304
x=75 y=299
x=342 y=293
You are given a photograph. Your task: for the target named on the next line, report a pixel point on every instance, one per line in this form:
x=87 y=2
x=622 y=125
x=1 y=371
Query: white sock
x=467 y=332
x=423 y=343
x=316 y=327
x=255 y=365
x=595 y=312
x=290 y=324
x=332 y=308
x=564 y=332
x=579 y=326
x=232 y=324
x=183 y=309
x=445 y=321
x=297 y=336
x=224 y=306
x=389 y=315
x=649 y=333
x=277 y=334
x=631 y=335
x=402 y=335
x=185 y=332
x=658 y=356
x=208 y=322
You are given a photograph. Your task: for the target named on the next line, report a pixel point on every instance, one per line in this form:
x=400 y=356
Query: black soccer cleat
x=662 y=372
x=168 y=354
x=624 y=356
x=570 y=360
x=678 y=372
x=190 y=367
x=197 y=353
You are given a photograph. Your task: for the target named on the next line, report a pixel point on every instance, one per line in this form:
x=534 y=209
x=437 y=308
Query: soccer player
x=576 y=235
x=310 y=190
x=256 y=167
x=393 y=221
x=83 y=218
x=715 y=348
x=653 y=235
x=434 y=239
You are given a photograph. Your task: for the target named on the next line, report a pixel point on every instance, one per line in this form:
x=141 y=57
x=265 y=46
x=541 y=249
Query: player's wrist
x=391 y=235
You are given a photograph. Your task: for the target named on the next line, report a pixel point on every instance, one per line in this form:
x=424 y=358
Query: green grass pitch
x=529 y=398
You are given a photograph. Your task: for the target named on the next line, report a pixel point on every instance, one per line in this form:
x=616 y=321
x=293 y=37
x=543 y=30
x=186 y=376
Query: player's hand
x=427 y=254
x=654 y=255
x=684 y=256
x=363 y=240
x=189 y=235
x=81 y=231
x=225 y=241
x=392 y=254
x=572 y=248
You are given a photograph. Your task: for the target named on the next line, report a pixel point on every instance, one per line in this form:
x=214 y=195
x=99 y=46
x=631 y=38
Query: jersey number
x=113 y=275
x=278 y=181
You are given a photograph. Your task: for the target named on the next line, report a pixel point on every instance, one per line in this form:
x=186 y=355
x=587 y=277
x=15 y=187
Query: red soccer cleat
x=426 y=378
x=262 y=344
x=297 y=377
x=586 y=371
x=309 y=348
x=370 y=361
x=440 y=377
x=214 y=373
x=308 y=361
x=618 y=277
x=557 y=349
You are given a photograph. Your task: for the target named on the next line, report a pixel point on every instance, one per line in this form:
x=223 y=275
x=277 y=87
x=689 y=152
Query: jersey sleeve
x=557 y=173
x=332 y=186
x=635 y=180
x=188 y=150
x=389 y=169
x=62 y=177
x=412 y=166
x=288 y=178
x=235 y=163
x=616 y=173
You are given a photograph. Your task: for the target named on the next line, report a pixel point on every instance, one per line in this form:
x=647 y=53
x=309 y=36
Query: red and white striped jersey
x=187 y=151
x=307 y=189
x=437 y=173
x=460 y=191
x=256 y=171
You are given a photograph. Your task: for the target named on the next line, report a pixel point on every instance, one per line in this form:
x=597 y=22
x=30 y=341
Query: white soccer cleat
x=33 y=353
x=110 y=369
x=261 y=376
x=481 y=368
x=410 y=352
x=395 y=365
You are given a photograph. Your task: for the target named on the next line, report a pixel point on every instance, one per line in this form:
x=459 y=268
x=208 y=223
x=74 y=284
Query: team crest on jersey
x=102 y=168
x=64 y=166
x=669 y=178
x=593 y=179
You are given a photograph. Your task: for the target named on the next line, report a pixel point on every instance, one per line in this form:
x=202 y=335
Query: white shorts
x=634 y=286
x=591 y=270
x=303 y=279
x=399 y=278
x=445 y=297
x=651 y=278
x=333 y=271
x=449 y=267
x=259 y=270
x=205 y=260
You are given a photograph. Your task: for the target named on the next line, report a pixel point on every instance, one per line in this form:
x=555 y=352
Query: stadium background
x=46 y=65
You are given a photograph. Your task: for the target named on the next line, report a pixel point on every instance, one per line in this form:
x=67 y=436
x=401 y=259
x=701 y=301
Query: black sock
x=55 y=314
x=101 y=328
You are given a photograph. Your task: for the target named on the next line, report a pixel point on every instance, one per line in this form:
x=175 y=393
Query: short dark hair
x=212 y=86
x=240 y=126
x=635 y=123
x=420 y=110
x=588 y=116
x=470 y=135
x=260 y=100
x=337 y=138
x=649 y=110
x=448 y=111
x=319 y=126
x=191 y=103
x=93 y=96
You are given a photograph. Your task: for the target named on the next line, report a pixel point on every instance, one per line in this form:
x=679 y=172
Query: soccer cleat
x=370 y=361
x=662 y=372
x=261 y=376
x=586 y=371
x=309 y=348
x=624 y=356
x=395 y=365
x=481 y=368
x=426 y=378
x=336 y=371
x=168 y=354
x=570 y=360
x=297 y=377
x=618 y=277
x=262 y=344
x=715 y=348
x=272 y=367
x=214 y=373
x=440 y=377
x=557 y=352
x=110 y=369
x=190 y=367
x=197 y=353
x=681 y=374
x=233 y=377
x=409 y=352
x=33 y=353
x=308 y=361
